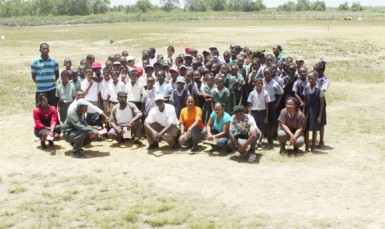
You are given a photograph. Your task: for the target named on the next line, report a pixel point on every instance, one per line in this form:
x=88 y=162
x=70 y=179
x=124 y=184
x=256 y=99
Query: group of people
x=230 y=102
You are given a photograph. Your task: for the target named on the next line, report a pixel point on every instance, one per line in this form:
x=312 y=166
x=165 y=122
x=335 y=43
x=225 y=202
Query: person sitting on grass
x=291 y=126
x=161 y=124
x=76 y=131
x=243 y=126
x=217 y=128
x=125 y=115
x=191 y=124
x=46 y=121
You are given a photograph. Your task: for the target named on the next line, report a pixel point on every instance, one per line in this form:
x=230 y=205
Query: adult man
x=76 y=131
x=125 y=115
x=161 y=123
x=45 y=72
x=243 y=132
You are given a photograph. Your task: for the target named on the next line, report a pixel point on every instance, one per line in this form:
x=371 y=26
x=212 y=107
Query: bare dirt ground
x=339 y=186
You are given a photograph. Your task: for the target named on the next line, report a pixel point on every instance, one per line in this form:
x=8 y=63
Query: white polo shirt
x=114 y=89
x=103 y=87
x=272 y=88
x=165 y=88
x=134 y=92
x=92 y=94
x=258 y=100
x=168 y=116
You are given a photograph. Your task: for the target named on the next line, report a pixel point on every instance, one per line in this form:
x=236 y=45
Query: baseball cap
x=96 y=65
x=81 y=102
x=159 y=97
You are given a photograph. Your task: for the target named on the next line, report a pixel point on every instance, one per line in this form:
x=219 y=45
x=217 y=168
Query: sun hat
x=159 y=97
x=81 y=102
x=181 y=79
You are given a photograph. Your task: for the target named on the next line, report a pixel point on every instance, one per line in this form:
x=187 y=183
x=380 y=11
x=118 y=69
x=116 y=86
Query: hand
x=120 y=131
x=319 y=120
x=210 y=137
x=90 y=83
x=130 y=124
x=293 y=140
x=156 y=136
x=242 y=148
x=301 y=103
x=188 y=135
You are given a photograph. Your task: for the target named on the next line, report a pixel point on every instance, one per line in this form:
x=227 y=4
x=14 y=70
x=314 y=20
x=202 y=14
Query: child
x=288 y=83
x=300 y=85
x=65 y=92
x=259 y=100
x=148 y=98
x=104 y=91
x=174 y=75
x=191 y=86
x=113 y=88
x=221 y=94
x=134 y=89
x=123 y=76
x=179 y=95
x=170 y=55
x=323 y=83
x=67 y=63
x=313 y=107
x=198 y=80
x=75 y=80
x=273 y=88
x=91 y=89
x=224 y=71
x=208 y=97
x=236 y=86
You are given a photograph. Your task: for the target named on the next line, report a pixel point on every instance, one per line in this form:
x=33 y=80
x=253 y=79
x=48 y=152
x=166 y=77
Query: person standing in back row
x=45 y=72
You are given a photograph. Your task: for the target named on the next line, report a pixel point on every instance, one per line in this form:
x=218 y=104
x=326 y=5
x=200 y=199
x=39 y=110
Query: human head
x=79 y=94
x=259 y=84
x=269 y=59
x=89 y=73
x=134 y=76
x=226 y=56
x=42 y=100
x=151 y=52
x=65 y=75
x=122 y=97
x=302 y=71
x=312 y=78
x=115 y=76
x=82 y=106
x=150 y=82
x=277 y=50
x=159 y=101
x=125 y=53
x=190 y=102
x=239 y=112
x=220 y=81
x=291 y=69
x=44 y=50
x=218 y=108
x=291 y=104
x=267 y=72
x=209 y=78
x=67 y=63
x=170 y=51
x=106 y=74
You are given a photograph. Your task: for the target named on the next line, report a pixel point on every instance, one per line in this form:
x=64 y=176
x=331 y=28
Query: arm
x=249 y=108
x=38 y=124
x=209 y=125
x=33 y=76
x=88 y=88
x=57 y=73
x=299 y=99
x=241 y=98
x=321 y=110
x=266 y=120
x=278 y=101
x=233 y=140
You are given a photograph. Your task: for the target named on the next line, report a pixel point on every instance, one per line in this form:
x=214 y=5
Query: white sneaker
x=252 y=158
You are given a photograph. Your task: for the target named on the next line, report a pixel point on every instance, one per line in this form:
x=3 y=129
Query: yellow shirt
x=188 y=117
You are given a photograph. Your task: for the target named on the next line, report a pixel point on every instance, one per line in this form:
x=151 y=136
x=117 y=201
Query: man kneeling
x=76 y=131
x=125 y=116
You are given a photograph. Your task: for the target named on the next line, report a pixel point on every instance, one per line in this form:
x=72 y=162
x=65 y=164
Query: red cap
x=173 y=70
x=96 y=65
x=187 y=49
x=139 y=70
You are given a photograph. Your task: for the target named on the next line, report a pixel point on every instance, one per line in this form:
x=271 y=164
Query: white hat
x=82 y=102
x=159 y=97
x=130 y=58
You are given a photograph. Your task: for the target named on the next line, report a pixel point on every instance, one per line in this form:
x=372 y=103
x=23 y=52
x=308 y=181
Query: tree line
x=15 y=8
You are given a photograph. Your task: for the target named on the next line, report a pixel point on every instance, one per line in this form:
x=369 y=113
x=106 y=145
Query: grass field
x=126 y=187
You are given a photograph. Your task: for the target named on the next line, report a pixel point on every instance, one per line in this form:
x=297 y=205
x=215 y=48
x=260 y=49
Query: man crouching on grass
x=76 y=131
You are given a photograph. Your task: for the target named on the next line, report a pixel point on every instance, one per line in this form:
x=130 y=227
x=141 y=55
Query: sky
x=272 y=3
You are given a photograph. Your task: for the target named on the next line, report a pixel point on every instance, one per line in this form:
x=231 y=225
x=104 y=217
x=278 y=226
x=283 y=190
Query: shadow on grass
x=244 y=158
x=90 y=154
x=50 y=149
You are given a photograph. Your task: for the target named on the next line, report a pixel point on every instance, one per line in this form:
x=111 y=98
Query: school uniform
x=76 y=84
x=324 y=84
x=113 y=90
x=273 y=89
x=148 y=99
x=207 y=106
x=192 y=87
x=299 y=87
x=222 y=96
x=178 y=99
x=312 y=97
x=134 y=93
x=258 y=101
x=66 y=96
x=164 y=88
x=235 y=86
x=104 y=84
x=93 y=93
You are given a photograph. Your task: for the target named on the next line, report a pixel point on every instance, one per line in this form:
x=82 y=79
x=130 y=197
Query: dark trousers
x=77 y=139
x=52 y=100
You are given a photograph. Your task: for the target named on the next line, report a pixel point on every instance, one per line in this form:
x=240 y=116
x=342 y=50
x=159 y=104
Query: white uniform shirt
x=258 y=100
x=168 y=116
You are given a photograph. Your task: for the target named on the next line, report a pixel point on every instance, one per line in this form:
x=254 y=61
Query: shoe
x=50 y=143
x=259 y=146
x=78 y=154
x=43 y=145
x=175 y=146
x=212 y=150
x=194 y=149
x=153 y=146
x=270 y=141
x=296 y=150
x=252 y=158
x=282 y=150
x=138 y=143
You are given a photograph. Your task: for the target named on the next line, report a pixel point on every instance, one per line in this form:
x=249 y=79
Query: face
x=106 y=75
x=64 y=78
x=170 y=52
x=157 y=67
x=240 y=115
x=269 y=60
x=234 y=71
x=174 y=75
x=182 y=71
x=197 y=76
x=190 y=102
x=83 y=109
x=268 y=74
x=159 y=58
x=180 y=85
x=240 y=61
x=75 y=74
x=67 y=63
x=188 y=61
x=256 y=66
x=218 y=109
x=224 y=69
x=133 y=78
x=214 y=68
x=303 y=73
x=189 y=76
x=275 y=50
x=220 y=83
x=312 y=79
x=290 y=105
x=44 y=50
x=149 y=71
x=150 y=82
x=115 y=77
x=161 y=76
x=79 y=95
x=125 y=53
x=89 y=75
x=226 y=56
x=83 y=62
x=210 y=81
x=109 y=65
x=122 y=100
x=259 y=85
x=291 y=70
x=43 y=101
x=159 y=104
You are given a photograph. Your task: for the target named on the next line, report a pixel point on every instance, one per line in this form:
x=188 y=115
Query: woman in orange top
x=191 y=124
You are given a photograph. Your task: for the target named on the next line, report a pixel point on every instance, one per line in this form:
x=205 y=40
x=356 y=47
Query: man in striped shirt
x=45 y=72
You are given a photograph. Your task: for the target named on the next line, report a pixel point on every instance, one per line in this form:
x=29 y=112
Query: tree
x=44 y=7
x=196 y=5
x=143 y=5
x=344 y=7
x=318 y=6
x=259 y=5
x=169 y=5
x=290 y=6
x=218 y=5
x=303 y=5
x=356 y=6
x=100 y=6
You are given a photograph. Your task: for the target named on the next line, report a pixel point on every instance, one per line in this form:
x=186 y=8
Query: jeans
x=221 y=142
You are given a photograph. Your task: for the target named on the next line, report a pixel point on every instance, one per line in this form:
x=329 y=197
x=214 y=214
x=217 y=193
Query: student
x=162 y=86
x=259 y=100
x=67 y=63
x=197 y=76
x=123 y=76
x=152 y=55
x=191 y=124
x=236 y=86
x=323 y=83
x=104 y=84
x=179 y=95
x=113 y=88
x=224 y=71
x=82 y=74
x=148 y=72
x=191 y=86
x=148 y=98
x=75 y=79
x=90 y=59
x=125 y=114
x=279 y=54
x=97 y=71
x=174 y=75
x=134 y=89
x=65 y=93
x=130 y=63
x=221 y=94
x=299 y=86
x=208 y=97
x=242 y=126
x=313 y=108
x=91 y=89
x=46 y=121
x=178 y=62
x=170 y=55
x=291 y=126
x=289 y=82
x=273 y=88
x=161 y=124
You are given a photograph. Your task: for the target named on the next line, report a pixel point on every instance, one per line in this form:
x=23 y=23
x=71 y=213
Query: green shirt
x=65 y=93
x=76 y=122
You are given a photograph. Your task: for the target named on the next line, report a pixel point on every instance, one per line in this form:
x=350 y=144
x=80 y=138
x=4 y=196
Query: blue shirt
x=45 y=73
x=219 y=125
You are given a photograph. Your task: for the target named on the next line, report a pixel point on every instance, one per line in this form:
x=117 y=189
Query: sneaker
x=43 y=145
x=50 y=143
x=153 y=146
x=252 y=158
x=194 y=148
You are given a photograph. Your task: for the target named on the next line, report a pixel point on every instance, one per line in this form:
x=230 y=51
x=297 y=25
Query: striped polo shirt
x=45 y=73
